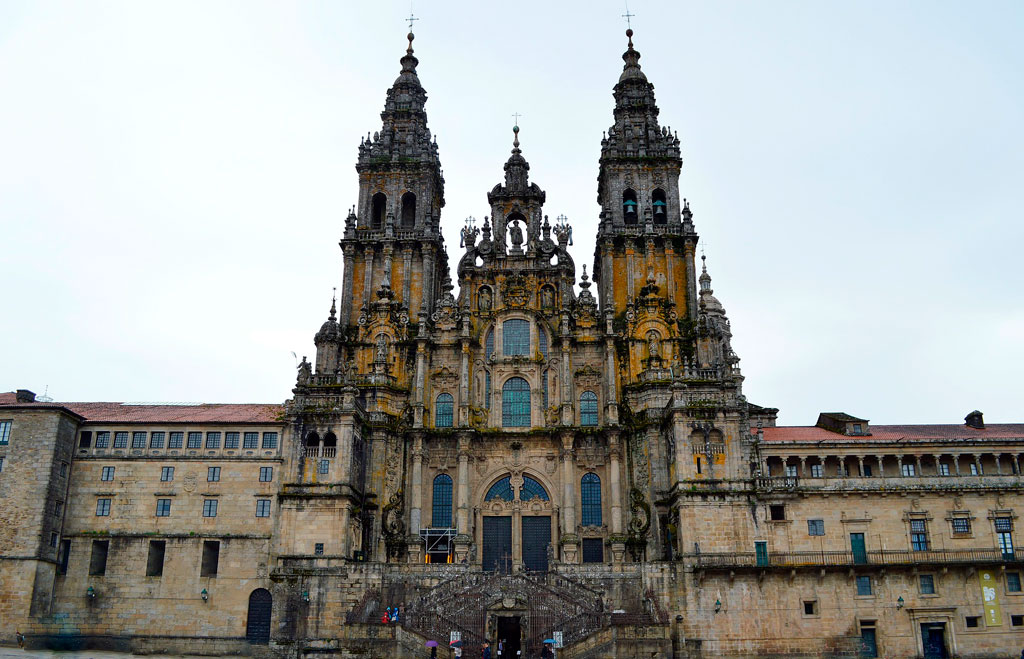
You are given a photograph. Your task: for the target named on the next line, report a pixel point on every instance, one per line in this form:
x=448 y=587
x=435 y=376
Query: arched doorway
x=257 y=626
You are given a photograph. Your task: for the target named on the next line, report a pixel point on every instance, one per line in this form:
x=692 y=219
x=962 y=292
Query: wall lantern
x=90 y=592
x=205 y=595
x=305 y=596
x=899 y=603
x=718 y=605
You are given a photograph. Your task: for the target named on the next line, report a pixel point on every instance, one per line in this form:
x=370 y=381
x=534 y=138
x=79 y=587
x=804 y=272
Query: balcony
x=320 y=452
x=849 y=559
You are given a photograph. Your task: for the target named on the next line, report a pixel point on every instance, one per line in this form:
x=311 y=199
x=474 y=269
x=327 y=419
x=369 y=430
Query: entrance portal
x=509 y=633
x=536 y=538
x=257 y=624
x=497 y=552
x=933 y=637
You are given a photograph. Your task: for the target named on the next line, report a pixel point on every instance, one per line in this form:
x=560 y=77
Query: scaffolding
x=439 y=545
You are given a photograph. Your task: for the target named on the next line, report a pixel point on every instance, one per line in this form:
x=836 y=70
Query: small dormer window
x=629 y=206
x=857 y=429
x=659 y=206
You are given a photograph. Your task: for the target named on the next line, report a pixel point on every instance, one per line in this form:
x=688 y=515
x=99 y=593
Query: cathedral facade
x=519 y=462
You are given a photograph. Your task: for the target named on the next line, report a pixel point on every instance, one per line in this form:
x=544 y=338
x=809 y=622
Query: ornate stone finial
x=334 y=296
x=705 y=278
x=515 y=139
x=487 y=228
x=563 y=230
x=469 y=233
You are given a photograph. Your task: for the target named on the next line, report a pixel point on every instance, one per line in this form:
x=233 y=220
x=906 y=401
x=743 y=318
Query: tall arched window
x=590 y=500
x=515 y=337
x=659 y=206
x=542 y=339
x=544 y=388
x=442 y=507
x=377 y=210
x=531 y=489
x=313 y=439
x=588 y=408
x=489 y=344
x=515 y=403
x=487 y=389
x=629 y=206
x=500 y=490
x=443 y=411
x=408 y=210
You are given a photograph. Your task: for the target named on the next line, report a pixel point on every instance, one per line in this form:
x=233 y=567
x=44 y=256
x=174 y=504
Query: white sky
x=174 y=178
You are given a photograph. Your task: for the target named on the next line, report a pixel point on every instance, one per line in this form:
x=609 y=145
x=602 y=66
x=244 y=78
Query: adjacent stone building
x=520 y=462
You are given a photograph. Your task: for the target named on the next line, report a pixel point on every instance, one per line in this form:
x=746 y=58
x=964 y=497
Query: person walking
x=547 y=653
x=485 y=653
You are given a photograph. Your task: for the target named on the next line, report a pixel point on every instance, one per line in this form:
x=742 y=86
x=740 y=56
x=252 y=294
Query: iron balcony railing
x=878 y=557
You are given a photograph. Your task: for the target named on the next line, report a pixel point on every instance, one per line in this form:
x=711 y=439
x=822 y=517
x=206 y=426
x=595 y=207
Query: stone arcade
x=516 y=463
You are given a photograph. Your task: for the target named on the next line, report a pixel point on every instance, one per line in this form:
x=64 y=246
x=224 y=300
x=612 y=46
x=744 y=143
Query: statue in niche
x=381 y=351
x=547 y=298
x=305 y=372
x=653 y=345
x=516 y=234
x=484 y=300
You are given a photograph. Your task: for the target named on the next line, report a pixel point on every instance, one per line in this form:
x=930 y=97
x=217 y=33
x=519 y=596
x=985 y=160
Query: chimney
x=24 y=396
x=975 y=420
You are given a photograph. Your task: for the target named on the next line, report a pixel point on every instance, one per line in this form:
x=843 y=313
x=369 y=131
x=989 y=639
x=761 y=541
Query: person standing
x=485 y=653
x=547 y=653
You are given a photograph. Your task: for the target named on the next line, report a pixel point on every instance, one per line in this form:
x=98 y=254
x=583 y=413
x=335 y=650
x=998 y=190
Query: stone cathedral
x=517 y=463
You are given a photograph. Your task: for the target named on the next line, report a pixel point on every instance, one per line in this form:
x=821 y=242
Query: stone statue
x=381 y=352
x=305 y=372
x=547 y=298
x=484 y=300
x=516 y=234
x=653 y=345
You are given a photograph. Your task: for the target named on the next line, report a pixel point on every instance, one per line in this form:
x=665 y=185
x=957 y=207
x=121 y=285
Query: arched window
x=542 y=339
x=408 y=210
x=515 y=337
x=531 y=489
x=377 y=210
x=590 y=500
x=629 y=206
x=500 y=490
x=442 y=513
x=489 y=344
x=659 y=206
x=515 y=403
x=330 y=440
x=313 y=439
x=588 y=408
x=487 y=389
x=544 y=386
x=443 y=411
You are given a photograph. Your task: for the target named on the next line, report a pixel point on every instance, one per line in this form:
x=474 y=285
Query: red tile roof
x=156 y=413
x=896 y=433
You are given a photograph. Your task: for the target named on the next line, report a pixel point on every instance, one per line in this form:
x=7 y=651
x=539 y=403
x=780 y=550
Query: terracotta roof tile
x=897 y=432
x=132 y=413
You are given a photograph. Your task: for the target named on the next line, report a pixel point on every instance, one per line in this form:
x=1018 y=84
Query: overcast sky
x=174 y=178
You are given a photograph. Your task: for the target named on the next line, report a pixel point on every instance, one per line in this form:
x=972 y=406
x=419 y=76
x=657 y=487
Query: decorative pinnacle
x=334 y=294
x=515 y=140
x=629 y=35
x=412 y=36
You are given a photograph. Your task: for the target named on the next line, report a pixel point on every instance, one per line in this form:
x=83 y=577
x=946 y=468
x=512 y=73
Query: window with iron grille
x=318 y=549
x=588 y=408
x=209 y=508
x=593 y=550
x=441 y=517
x=213 y=440
x=5 y=432
x=1004 y=524
x=918 y=535
x=863 y=586
x=500 y=490
x=231 y=440
x=1004 y=536
x=212 y=474
x=926 y=583
x=1013 y=582
x=156 y=440
x=107 y=474
x=270 y=440
x=120 y=440
x=590 y=500
x=325 y=466
x=961 y=525
x=815 y=527
x=102 y=439
x=489 y=344
x=138 y=440
x=531 y=489
x=251 y=440
x=266 y=474
x=195 y=440
x=102 y=507
x=542 y=340
x=163 y=507
x=515 y=334
x=515 y=403
x=444 y=411
x=176 y=440
x=167 y=473
x=544 y=389
x=263 y=507
x=487 y=389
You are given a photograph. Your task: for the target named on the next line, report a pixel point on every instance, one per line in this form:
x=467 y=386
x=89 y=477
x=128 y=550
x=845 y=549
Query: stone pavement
x=10 y=653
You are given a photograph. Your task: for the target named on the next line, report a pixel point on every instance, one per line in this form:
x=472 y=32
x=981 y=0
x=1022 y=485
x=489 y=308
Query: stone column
x=821 y=461
x=956 y=463
x=463 y=538
x=567 y=388
x=611 y=395
x=346 y=535
x=1016 y=464
x=614 y=454
x=428 y=294
x=416 y=499
x=670 y=284
x=999 y=469
x=938 y=463
x=406 y=274
x=860 y=466
x=977 y=463
x=464 y=379
x=347 y=286
x=917 y=465
x=899 y=465
x=629 y=271
x=367 y=275
x=803 y=466
x=691 y=278
x=568 y=489
x=421 y=378
x=881 y=466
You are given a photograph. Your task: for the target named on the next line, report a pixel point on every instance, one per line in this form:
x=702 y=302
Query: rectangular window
x=270 y=440
x=195 y=440
x=791 y=470
x=231 y=440
x=58 y=507
x=918 y=535
x=266 y=474
x=103 y=439
x=908 y=469
x=211 y=558
x=487 y=390
x=163 y=507
x=777 y=512
x=102 y=507
x=213 y=440
x=817 y=471
x=212 y=474
x=63 y=470
x=1004 y=536
x=811 y=607
x=926 y=583
x=156 y=440
x=138 y=440
x=166 y=474
x=107 y=474
x=120 y=440
x=1004 y=524
x=593 y=550
x=867 y=470
x=263 y=507
x=85 y=439
x=515 y=335
x=318 y=549
x=863 y=586
x=98 y=559
x=155 y=561
x=62 y=557
x=943 y=469
x=972 y=622
x=251 y=440
x=857 y=429
x=1017 y=621
x=815 y=527
x=325 y=466
x=176 y=440
x=961 y=526
x=209 y=508
x=1013 y=582
x=53 y=540
x=5 y=432
x=975 y=469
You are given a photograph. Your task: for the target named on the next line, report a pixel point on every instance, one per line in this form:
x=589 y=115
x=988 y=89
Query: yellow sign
x=990 y=598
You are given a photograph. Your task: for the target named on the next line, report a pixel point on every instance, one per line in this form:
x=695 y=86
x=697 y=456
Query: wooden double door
x=534 y=539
